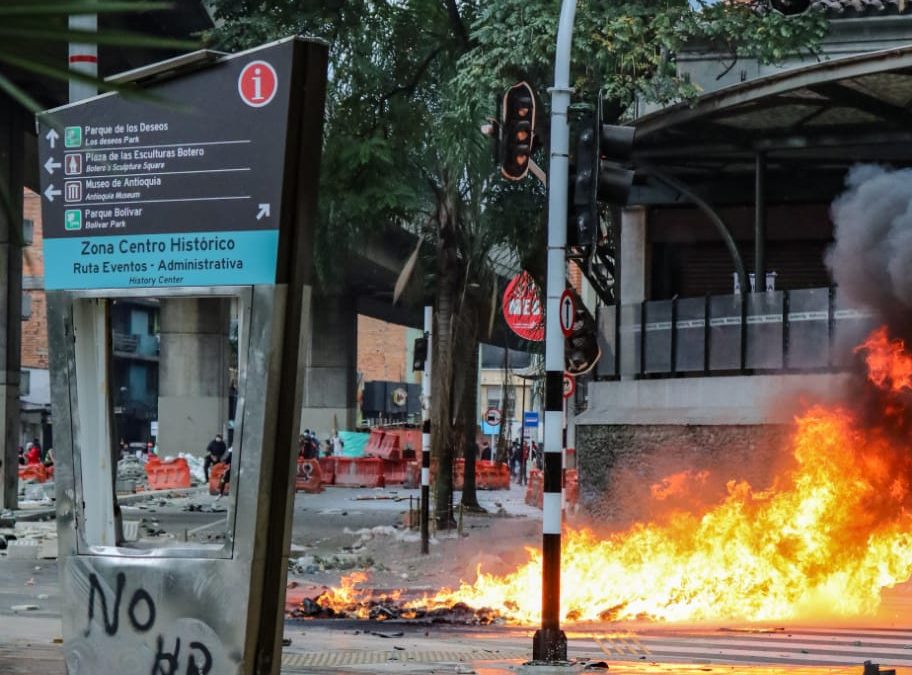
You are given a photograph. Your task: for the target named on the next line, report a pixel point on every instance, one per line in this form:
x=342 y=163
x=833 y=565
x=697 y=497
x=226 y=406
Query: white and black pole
x=426 y=433
x=550 y=643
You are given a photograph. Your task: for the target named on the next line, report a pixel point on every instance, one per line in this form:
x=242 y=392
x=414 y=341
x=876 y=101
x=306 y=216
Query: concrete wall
x=620 y=464
x=193 y=374
x=637 y=433
x=749 y=399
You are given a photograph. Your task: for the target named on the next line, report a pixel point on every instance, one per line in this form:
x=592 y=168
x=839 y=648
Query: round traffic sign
x=567 y=312
x=492 y=417
x=569 y=385
x=257 y=83
x=522 y=308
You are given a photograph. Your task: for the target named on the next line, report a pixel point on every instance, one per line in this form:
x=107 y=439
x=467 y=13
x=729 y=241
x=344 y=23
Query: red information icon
x=257 y=84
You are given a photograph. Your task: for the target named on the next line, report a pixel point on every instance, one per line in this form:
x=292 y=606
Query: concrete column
x=633 y=255
x=633 y=270
x=11 y=171
x=330 y=365
x=193 y=374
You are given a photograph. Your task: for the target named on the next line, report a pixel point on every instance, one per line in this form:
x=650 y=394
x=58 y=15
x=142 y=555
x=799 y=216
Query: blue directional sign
x=530 y=419
x=185 y=191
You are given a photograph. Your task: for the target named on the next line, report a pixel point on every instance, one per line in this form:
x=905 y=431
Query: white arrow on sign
x=263 y=212
x=50 y=193
x=52 y=137
x=50 y=165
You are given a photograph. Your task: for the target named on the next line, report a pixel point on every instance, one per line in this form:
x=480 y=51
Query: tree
x=411 y=80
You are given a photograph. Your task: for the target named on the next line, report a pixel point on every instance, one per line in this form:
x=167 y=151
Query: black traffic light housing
x=581 y=348
x=419 y=353
x=790 y=7
x=517 y=131
x=599 y=176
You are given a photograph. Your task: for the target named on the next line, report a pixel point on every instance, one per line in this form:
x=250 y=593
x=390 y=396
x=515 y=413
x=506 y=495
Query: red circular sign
x=257 y=83
x=522 y=308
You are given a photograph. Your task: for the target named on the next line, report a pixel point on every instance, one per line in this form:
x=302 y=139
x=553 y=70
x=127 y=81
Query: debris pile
x=131 y=471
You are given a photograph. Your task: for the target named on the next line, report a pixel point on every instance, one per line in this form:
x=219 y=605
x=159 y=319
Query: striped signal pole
x=550 y=644
x=426 y=433
x=83 y=58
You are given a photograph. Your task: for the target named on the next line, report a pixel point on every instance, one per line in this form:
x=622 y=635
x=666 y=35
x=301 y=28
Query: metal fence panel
x=808 y=326
x=764 y=330
x=630 y=339
x=690 y=335
x=725 y=332
x=658 y=337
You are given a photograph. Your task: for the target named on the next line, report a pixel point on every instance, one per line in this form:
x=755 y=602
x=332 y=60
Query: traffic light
x=518 y=131
x=599 y=176
x=790 y=7
x=581 y=348
x=419 y=353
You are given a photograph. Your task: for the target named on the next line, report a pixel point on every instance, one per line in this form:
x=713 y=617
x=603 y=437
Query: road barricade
x=492 y=475
x=360 y=472
x=215 y=477
x=394 y=471
x=328 y=469
x=458 y=474
x=374 y=441
x=36 y=472
x=535 y=489
x=412 y=475
x=169 y=475
x=308 y=477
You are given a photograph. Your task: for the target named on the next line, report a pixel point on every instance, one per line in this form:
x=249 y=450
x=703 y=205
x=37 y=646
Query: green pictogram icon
x=72 y=219
x=72 y=137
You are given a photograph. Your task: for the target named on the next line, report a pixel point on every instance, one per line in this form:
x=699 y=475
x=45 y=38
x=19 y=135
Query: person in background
x=33 y=454
x=49 y=457
x=328 y=448
x=486 y=452
x=124 y=448
x=21 y=456
x=337 y=444
x=215 y=451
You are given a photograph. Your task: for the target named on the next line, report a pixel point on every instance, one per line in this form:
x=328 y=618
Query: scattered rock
x=24 y=608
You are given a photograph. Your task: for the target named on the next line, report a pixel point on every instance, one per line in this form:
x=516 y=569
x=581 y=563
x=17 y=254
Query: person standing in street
x=337 y=444
x=215 y=451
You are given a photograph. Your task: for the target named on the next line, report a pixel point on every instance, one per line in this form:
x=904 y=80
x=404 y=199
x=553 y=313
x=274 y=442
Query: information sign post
x=207 y=193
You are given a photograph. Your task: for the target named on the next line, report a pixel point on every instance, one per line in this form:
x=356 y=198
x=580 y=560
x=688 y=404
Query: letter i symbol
x=257 y=85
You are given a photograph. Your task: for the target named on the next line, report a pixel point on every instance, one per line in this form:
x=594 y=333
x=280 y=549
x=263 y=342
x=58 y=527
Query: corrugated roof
x=851 y=9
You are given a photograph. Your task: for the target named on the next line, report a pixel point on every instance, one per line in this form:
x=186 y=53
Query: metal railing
x=799 y=330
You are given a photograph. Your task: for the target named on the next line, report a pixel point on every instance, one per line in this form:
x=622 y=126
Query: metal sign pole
x=550 y=643
x=426 y=432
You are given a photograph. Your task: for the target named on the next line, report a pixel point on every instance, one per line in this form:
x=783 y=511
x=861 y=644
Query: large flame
x=824 y=540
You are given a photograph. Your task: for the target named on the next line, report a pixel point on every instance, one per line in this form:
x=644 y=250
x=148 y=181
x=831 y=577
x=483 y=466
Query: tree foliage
x=410 y=82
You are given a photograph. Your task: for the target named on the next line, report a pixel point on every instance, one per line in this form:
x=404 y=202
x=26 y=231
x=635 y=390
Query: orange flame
x=824 y=540
x=889 y=366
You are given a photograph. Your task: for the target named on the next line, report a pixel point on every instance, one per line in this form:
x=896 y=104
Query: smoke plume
x=871 y=260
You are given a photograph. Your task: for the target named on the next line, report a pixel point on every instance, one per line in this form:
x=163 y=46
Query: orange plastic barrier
x=374 y=441
x=33 y=472
x=412 y=475
x=309 y=477
x=215 y=477
x=328 y=469
x=168 y=475
x=492 y=476
x=535 y=489
x=394 y=471
x=458 y=474
x=361 y=472
x=389 y=447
